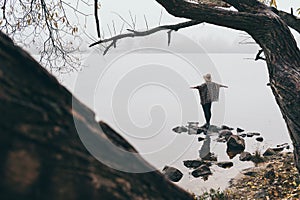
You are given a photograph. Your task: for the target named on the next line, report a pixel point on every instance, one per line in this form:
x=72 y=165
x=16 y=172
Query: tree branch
x=97 y=18
x=291 y=20
x=133 y=33
x=217 y=16
x=258 y=57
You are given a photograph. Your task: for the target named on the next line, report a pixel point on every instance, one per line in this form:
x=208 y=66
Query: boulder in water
x=172 y=173
x=180 y=129
x=235 y=143
x=193 y=163
x=245 y=156
x=203 y=170
x=226 y=164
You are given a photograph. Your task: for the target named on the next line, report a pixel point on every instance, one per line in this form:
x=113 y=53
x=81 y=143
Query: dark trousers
x=207 y=112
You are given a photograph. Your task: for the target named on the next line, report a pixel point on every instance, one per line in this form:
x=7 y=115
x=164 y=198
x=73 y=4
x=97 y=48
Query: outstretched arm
x=195 y=87
x=224 y=86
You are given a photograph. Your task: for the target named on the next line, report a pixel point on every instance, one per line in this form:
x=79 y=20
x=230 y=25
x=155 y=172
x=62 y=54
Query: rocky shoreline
x=276 y=178
x=274 y=175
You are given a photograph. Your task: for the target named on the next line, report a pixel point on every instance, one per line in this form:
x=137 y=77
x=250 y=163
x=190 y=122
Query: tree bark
x=283 y=61
x=41 y=155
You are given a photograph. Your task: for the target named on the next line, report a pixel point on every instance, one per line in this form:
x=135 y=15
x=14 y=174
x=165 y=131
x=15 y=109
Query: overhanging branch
x=175 y=27
x=217 y=16
x=291 y=20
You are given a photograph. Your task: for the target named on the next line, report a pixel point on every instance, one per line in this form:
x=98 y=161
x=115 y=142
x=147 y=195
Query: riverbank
x=276 y=178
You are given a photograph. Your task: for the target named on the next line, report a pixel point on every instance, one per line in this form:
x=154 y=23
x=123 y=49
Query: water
x=144 y=106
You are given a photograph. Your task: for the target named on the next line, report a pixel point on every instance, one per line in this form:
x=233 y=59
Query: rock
x=269 y=152
x=200 y=139
x=225 y=164
x=221 y=140
x=235 y=143
x=213 y=128
x=261 y=194
x=225 y=133
x=42 y=155
x=281 y=145
x=278 y=149
x=270 y=174
x=203 y=170
x=250 y=134
x=200 y=130
x=260 y=139
x=210 y=157
x=239 y=130
x=245 y=156
x=250 y=173
x=232 y=154
x=243 y=135
x=193 y=163
x=180 y=129
x=224 y=127
x=172 y=173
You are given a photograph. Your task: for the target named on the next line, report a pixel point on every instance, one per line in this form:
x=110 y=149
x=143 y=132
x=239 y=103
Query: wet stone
x=239 y=130
x=180 y=129
x=225 y=164
x=245 y=156
x=201 y=171
x=235 y=143
x=269 y=152
x=193 y=163
x=172 y=173
x=225 y=133
x=224 y=127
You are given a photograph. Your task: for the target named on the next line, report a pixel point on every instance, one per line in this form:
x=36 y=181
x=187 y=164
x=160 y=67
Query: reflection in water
x=205 y=148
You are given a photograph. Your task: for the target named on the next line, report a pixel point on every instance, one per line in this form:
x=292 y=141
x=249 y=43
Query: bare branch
x=160 y=17
x=258 y=57
x=133 y=33
x=146 y=22
x=97 y=18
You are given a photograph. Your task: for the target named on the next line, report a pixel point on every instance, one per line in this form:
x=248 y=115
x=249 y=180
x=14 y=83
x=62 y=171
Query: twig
x=146 y=22
x=258 y=57
x=97 y=18
x=160 y=17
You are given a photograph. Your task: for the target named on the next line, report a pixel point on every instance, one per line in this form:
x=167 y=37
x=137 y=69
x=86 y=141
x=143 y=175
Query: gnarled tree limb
x=291 y=20
x=133 y=33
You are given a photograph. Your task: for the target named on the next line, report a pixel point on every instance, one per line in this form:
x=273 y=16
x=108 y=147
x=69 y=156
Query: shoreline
x=276 y=178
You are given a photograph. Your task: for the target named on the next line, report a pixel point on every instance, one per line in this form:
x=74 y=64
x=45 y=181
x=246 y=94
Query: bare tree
x=268 y=26
x=54 y=28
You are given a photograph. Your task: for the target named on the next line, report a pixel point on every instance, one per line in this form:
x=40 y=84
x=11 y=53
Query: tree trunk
x=41 y=155
x=283 y=61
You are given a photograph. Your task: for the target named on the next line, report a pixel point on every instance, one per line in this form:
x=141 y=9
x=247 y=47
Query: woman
x=209 y=92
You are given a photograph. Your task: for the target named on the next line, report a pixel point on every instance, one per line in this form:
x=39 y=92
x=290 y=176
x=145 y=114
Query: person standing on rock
x=209 y=92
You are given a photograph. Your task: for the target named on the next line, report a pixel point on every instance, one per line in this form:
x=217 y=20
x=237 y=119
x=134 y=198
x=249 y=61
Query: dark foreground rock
x=172 y=173
x=42 y=156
